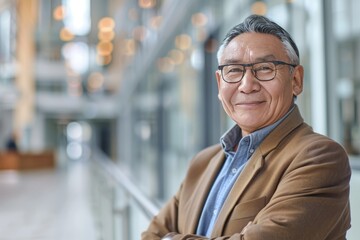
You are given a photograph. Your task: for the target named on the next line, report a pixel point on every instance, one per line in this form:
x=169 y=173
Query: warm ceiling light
x=147 y=3
x=259 y=8
x=66 y=35
x=199 y=19
x=106 y=36
x=106 y=24
x=104 y=48
x=183 y=41
x=59 y=13
x=103 y=60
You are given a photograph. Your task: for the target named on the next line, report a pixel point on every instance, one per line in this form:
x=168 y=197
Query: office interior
x=118 y=96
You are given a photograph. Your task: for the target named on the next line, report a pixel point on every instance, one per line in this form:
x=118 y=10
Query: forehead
x=253 y=47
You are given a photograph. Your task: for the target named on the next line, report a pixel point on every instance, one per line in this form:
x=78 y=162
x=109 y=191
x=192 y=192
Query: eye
x=232 y=69
x=264 y=67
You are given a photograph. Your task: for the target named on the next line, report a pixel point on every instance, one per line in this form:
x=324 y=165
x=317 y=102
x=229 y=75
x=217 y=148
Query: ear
x=218 y=80
x=298 y=80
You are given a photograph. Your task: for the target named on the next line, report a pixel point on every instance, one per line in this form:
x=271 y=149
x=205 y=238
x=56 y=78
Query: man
x=272 y=177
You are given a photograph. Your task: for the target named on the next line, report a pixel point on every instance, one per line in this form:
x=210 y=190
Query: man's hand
x=168 y=236
x=245 y=228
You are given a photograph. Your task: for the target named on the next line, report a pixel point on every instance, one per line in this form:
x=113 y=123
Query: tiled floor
x=46 y=205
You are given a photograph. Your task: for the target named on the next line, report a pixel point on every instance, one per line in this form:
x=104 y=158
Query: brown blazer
x=295 y=186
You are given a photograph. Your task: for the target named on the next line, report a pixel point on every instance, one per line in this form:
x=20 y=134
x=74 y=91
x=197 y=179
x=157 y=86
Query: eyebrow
x=258 y=59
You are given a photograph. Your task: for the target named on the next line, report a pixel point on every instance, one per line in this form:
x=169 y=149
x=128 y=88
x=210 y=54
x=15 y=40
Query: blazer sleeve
x=165 y=221
x=312 y=198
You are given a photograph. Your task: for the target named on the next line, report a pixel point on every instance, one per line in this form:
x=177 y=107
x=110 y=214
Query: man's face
x=251 y=103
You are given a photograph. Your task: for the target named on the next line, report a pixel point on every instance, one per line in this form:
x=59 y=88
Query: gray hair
x=261 y=24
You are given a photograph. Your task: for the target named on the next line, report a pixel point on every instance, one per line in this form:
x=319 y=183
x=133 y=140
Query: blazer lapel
x=252 y=167
x=202 y=191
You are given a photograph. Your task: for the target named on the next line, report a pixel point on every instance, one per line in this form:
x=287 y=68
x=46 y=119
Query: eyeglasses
x=263 y=71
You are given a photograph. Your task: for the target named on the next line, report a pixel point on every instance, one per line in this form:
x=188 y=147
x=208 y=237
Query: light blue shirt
x=233 y=165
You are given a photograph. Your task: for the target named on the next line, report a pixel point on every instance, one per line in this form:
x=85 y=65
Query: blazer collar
x=280 y=132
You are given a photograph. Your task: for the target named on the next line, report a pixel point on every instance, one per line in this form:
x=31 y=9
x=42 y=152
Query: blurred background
x=103 y=103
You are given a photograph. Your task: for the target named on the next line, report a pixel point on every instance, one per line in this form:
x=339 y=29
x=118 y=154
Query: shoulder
x=205 y=155
x=309 y=141
x=300 y=146
x=204 y=159
x=208 y=152
x=309 y=148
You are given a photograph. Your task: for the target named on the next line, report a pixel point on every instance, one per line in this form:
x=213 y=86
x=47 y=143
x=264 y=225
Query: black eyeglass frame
x=245 y=65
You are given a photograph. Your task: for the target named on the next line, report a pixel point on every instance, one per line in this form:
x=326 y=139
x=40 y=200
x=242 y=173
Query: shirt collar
x=233 y=136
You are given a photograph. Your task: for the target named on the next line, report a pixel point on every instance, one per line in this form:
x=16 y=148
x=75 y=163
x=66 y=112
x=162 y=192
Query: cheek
x=281 y=93
x=226 y=93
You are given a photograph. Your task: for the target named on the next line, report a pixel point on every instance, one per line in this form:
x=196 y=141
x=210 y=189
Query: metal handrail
x=113 y=170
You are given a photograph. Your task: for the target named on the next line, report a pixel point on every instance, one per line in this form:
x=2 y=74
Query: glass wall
x=343 y=59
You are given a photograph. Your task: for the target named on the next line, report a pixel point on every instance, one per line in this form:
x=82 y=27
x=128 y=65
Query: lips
x=249 y=103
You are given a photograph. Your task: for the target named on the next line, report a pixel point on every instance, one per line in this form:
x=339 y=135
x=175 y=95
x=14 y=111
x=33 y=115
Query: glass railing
x=121 y=210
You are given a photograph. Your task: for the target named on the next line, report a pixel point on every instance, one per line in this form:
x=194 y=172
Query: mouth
x=249 y=103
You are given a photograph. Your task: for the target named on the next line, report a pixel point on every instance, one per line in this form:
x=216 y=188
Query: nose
x=249 y=83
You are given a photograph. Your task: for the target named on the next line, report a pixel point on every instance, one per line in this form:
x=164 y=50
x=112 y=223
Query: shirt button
x=215 y=212
x=233 y=170
x=251 y=150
